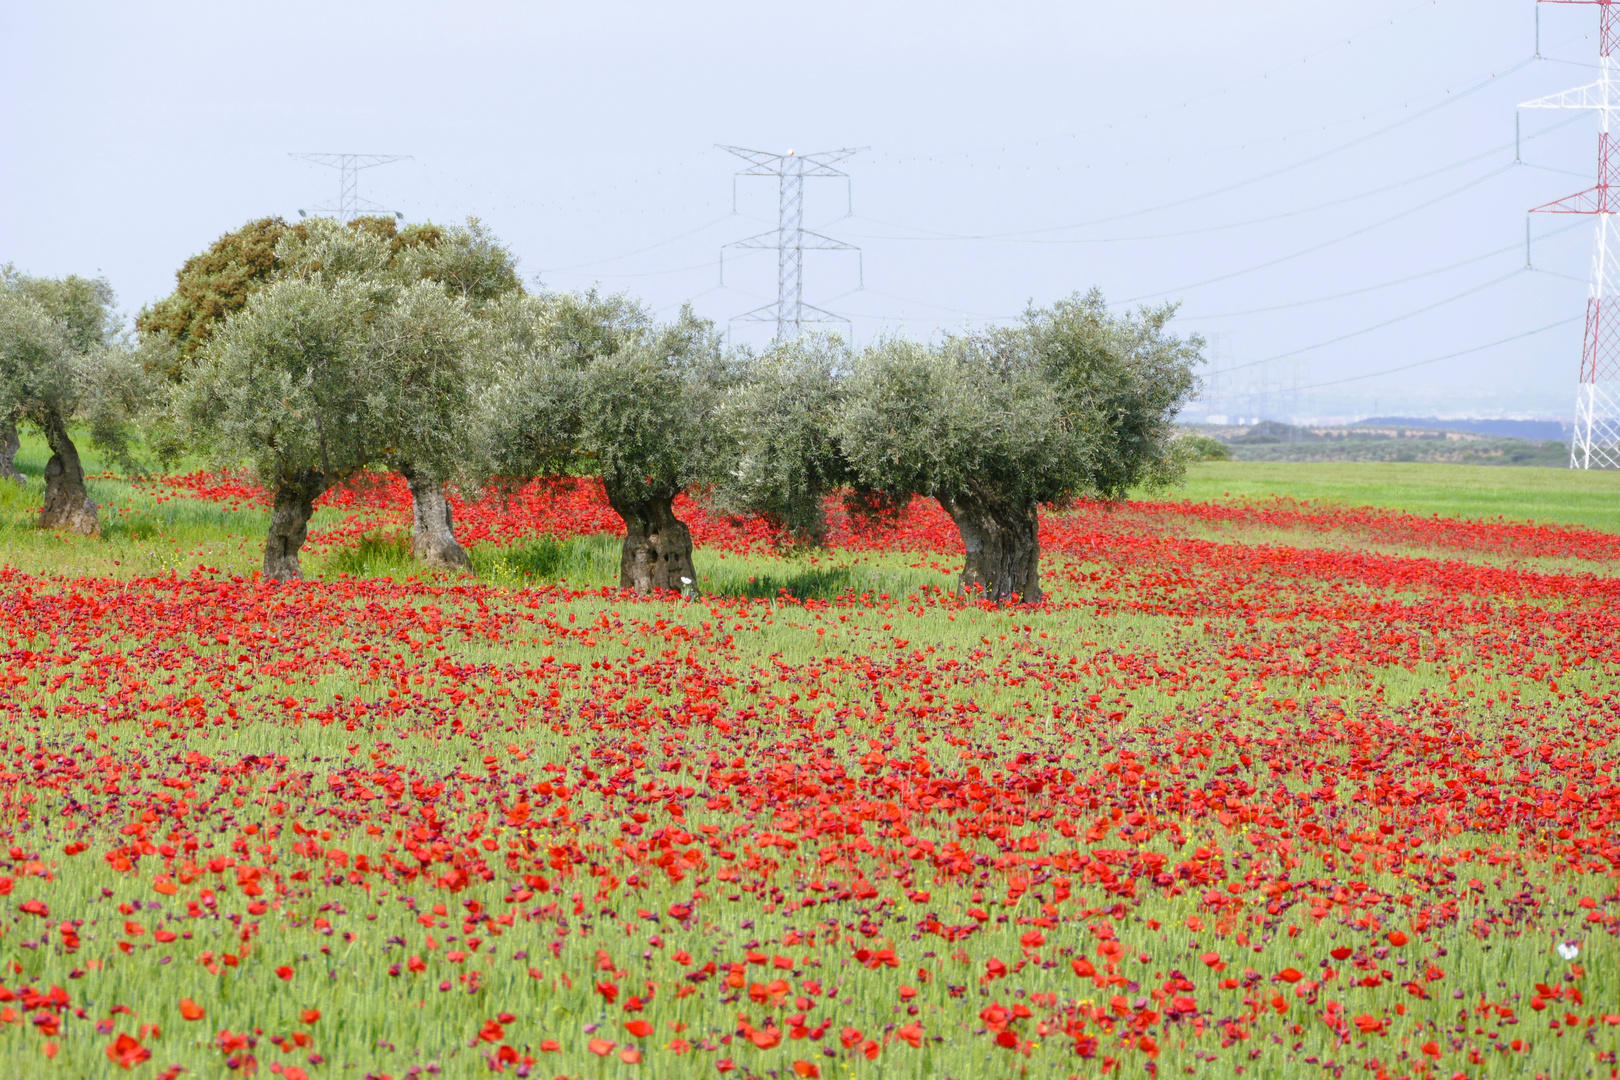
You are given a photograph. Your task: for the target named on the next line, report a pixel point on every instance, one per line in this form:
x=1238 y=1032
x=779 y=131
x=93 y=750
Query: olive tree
x=465 y=260
x=592 y=385
x=64 y=360
x=778 y=426
x=319 y=377
x=1073 y=401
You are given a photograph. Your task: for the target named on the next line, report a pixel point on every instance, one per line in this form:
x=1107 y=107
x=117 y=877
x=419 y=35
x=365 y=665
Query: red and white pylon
x=1596 y=444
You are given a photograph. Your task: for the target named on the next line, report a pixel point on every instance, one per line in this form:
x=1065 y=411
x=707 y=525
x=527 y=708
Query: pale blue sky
x=584 y=135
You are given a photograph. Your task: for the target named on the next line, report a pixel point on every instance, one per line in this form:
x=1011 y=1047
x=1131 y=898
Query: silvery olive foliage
x=779 y=424
x=336 y=369
x=587 y=384
x=348 y=360
x=1073 y=401
x=66 y=360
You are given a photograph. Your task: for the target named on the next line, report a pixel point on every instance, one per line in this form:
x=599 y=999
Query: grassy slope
x=1562 y=496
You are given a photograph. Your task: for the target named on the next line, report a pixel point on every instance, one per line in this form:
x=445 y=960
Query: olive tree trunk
x=8 y=450
x=68 y=506
x=657 y=544
x=289 y=523
x=433 y=537
x=1003 y=545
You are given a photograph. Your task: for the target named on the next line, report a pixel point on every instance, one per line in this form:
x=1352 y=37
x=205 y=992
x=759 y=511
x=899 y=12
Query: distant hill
x=1508 y=429
x=1388 y=439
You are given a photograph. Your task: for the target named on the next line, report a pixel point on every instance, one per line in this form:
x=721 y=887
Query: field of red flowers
x=1212 y=809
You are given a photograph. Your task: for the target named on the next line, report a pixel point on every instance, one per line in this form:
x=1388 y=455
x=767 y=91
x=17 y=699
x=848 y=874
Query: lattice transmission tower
x=790 y=239
x=1596 y=444
x=349 y=205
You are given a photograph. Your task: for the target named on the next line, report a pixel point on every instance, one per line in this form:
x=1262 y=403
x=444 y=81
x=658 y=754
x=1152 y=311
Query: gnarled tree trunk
x=8 y=450
x=1003 y=547
x=289 y=523
x=657 y=545
x=67 y=505
x=433 y=537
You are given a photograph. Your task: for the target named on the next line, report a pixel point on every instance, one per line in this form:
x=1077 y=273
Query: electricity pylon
x=349 y=205
x=790 y=239
x=1596 y=444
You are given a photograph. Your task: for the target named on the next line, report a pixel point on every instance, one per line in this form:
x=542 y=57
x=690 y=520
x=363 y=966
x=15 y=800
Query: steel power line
x=349 y=205
x=1596 y=443
x=790 y=239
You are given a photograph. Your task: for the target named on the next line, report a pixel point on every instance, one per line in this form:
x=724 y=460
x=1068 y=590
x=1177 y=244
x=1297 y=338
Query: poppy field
x=1262 y=789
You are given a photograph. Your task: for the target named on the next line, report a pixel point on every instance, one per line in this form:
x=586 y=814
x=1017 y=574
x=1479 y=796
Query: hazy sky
x=1255 y=160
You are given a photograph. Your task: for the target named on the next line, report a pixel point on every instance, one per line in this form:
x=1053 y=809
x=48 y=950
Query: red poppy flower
x=126 y=1052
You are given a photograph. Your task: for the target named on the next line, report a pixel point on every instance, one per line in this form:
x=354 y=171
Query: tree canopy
x=215 y=284
x=64 y=360
x=1072 y=402
x=778 y=423
x=587 y=384
x=339 y=365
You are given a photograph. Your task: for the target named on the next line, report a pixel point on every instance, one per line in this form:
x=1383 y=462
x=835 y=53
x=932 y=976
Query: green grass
x=1497 y=452
x=994 y=661
x=590 y=562
x=933 y=684
x=139 y=534
x=142 y=536
x=761 y=579
x=583 y=562
x=374 y=555
x=1562 y=496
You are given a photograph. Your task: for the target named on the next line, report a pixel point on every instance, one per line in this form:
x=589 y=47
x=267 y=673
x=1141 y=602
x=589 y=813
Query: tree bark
x=433 y=537
x=1003 y=545
x=657 y=544
x=289 y=523
x=8 y=450
x=68 y=506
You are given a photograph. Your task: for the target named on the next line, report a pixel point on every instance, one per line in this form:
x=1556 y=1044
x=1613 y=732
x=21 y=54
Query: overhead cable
x=1384 y=284
x=1019 y=238
x=1330 y=152
x=638 y=251
x=1448 y=356
x=1379 y=326
x=1326 y=243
